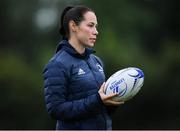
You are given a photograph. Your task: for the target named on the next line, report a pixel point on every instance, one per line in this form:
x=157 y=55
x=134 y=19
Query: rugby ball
x=126 y=82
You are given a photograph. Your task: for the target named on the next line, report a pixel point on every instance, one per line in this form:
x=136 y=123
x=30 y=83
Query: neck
x=76 y=45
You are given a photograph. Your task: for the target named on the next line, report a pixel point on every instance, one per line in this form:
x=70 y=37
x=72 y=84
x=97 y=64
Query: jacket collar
x=64 y=45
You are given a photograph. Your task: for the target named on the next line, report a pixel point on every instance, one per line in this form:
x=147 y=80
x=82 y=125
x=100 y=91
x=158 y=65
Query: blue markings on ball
x=115 y=87
x=116 y=83
x=136 y=77
x=139 y=75
x=122 y=92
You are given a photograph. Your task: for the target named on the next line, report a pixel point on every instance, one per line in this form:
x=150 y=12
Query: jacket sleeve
x=55 y=91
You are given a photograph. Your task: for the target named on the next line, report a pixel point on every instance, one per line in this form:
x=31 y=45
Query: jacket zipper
x=103 y=114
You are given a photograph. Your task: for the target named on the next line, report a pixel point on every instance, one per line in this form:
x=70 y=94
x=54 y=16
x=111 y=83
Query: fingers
x=115 y=103
x=107 y=98
x=111 y=95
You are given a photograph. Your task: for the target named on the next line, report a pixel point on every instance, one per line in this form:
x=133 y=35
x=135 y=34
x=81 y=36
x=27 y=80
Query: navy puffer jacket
x=71 y=84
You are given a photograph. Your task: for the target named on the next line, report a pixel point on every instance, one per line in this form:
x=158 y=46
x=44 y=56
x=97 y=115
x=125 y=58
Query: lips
x=93 y=39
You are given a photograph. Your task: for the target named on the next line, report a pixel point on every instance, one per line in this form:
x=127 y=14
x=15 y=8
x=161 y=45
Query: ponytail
x=62 y=30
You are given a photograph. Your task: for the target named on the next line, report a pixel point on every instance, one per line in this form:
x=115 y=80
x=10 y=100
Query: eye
x=90 y=25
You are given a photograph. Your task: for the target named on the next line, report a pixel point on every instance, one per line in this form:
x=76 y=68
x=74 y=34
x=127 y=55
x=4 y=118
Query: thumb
x=102 y=87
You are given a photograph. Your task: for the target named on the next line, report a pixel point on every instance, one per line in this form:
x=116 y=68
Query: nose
x=95 y=32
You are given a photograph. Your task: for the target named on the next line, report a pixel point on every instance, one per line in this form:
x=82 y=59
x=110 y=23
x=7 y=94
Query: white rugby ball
x=126 y=82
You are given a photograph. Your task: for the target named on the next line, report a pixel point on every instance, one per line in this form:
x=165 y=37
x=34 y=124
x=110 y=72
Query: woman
x=74 y=77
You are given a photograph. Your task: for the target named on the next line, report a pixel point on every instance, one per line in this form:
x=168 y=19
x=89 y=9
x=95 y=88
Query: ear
x=72 y=26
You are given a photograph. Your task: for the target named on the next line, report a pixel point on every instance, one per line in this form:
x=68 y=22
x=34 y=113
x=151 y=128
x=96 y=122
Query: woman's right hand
x=107 y=99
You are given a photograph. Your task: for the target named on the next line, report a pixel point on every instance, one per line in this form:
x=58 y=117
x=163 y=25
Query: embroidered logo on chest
x=99 y=67
x=81 y=71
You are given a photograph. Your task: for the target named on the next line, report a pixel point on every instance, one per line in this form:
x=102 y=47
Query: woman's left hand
x=107 y=99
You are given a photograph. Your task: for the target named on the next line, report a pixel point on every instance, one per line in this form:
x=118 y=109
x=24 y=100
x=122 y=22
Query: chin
x=91 y=44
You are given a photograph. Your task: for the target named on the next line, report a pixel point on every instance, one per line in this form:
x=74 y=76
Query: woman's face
x=86 y=32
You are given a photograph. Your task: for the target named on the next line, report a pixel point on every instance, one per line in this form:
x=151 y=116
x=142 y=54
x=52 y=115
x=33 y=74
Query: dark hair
x=75 y=13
